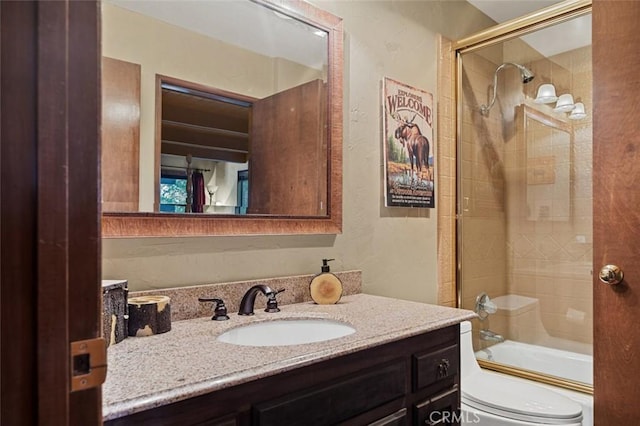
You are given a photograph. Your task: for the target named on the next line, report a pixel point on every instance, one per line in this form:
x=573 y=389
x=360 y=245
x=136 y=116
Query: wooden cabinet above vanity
x=400 y=366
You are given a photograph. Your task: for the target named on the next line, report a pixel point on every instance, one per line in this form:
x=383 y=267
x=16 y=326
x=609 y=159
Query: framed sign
x=408 y=146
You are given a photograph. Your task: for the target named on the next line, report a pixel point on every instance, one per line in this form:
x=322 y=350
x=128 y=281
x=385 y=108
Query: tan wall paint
x=395 y=248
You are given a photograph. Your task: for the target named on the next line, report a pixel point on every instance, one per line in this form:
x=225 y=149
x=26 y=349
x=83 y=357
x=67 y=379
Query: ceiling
x=551 y=41
x=242 y=23
x=270 y=33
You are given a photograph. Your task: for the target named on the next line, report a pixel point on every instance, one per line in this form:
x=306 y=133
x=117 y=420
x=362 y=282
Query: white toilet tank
x=468 y=363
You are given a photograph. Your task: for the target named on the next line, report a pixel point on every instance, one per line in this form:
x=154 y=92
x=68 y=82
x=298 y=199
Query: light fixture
x=565 y=103
x=546 y=94
x=578 y=112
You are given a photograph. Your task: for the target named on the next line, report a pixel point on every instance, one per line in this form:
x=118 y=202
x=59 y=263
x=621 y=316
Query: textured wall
x=395 y=248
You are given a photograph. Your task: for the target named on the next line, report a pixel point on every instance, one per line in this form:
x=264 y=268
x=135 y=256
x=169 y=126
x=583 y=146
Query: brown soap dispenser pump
x=325 y=288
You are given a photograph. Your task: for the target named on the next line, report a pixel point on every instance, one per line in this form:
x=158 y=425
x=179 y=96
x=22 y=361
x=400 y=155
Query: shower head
x=525 y=74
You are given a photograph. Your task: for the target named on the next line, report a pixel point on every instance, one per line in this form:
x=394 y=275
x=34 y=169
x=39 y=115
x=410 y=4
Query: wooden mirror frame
x=147 y=224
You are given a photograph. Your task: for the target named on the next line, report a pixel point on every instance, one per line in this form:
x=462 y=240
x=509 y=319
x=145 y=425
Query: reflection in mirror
x=205 y=130
x=219 y=119
x=204 y=144
x=207 y=137
x=548 y=146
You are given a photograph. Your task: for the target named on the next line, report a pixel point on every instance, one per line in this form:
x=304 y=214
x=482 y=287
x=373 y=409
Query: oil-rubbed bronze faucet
x=249 y=299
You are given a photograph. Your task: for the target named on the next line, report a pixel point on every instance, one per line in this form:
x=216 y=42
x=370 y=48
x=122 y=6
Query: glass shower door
x=525 y=205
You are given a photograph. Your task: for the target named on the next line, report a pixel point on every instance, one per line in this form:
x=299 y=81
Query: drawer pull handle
x=443 y=368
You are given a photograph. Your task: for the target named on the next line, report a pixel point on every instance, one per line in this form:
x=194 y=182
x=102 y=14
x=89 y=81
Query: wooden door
x=287 y=163
x=616 y=210
x=50 y=234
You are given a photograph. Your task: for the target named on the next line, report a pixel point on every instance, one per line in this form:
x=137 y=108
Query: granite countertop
x=147 y=372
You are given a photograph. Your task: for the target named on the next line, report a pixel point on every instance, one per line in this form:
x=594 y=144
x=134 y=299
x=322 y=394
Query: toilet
x=492 y=399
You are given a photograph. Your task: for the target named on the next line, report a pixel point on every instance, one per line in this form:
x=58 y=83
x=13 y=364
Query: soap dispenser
x=325 y=288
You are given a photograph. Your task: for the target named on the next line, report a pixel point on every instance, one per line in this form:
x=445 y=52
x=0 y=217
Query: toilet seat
x=515 y=400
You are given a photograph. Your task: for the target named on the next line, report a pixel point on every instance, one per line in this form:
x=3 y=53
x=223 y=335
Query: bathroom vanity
x=400 y=366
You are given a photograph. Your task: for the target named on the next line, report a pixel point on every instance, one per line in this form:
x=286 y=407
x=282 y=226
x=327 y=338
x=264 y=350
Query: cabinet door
x=333 y=403
x=437 y=368
x=443 y=409
x=399 y=418
x=120 y=135
x=288 y=162
x=230 y=420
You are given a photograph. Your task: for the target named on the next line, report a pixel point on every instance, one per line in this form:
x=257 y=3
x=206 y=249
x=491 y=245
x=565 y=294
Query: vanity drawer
x=435 y=366
x=443 y=409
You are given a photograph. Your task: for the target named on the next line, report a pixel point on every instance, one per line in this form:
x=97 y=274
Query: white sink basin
x=286 y=332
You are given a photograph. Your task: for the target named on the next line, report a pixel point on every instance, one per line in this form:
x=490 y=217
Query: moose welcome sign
x=408 y=146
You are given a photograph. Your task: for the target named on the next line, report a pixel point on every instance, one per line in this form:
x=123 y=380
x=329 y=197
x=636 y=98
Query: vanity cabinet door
x=436 y=368
x=336 y=402
x=399 y=418
x=443 y=409
x=221 y=421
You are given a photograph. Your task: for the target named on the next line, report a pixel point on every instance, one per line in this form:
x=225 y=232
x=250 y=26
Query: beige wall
x=395 y=248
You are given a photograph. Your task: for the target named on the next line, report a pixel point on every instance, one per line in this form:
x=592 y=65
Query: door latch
x=88 y=363
x=611 y=274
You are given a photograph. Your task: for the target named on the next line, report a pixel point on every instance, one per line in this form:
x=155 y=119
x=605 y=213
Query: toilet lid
x=518 y=400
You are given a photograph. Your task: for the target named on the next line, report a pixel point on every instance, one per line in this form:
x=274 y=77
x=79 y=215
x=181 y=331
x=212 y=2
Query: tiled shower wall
x=484 y=269
x=484 y=258
x=446 y=163
x=549 y=261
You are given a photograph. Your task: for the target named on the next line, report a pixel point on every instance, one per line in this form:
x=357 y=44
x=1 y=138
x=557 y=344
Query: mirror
x=548 y=147
x=173 y=79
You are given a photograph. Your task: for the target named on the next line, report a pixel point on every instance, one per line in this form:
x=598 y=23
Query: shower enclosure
x=525 y=197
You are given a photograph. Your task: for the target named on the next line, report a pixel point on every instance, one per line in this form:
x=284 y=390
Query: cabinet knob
x=443 y=368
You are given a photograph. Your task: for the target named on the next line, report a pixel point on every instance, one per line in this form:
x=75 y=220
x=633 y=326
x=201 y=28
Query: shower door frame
x=517 y=27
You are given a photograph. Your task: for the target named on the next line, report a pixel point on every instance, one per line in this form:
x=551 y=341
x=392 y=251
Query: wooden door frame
x=50 y=239
x=18 y=218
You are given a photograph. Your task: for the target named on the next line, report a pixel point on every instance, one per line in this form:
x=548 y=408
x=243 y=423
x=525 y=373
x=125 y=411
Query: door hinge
x=88 y=363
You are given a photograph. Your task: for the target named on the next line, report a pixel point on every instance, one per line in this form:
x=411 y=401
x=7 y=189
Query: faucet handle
x=272 y=302
x=220 y=311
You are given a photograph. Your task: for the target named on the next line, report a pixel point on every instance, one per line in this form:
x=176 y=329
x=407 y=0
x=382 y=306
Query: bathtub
x=569 y=365
x=555 y=362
